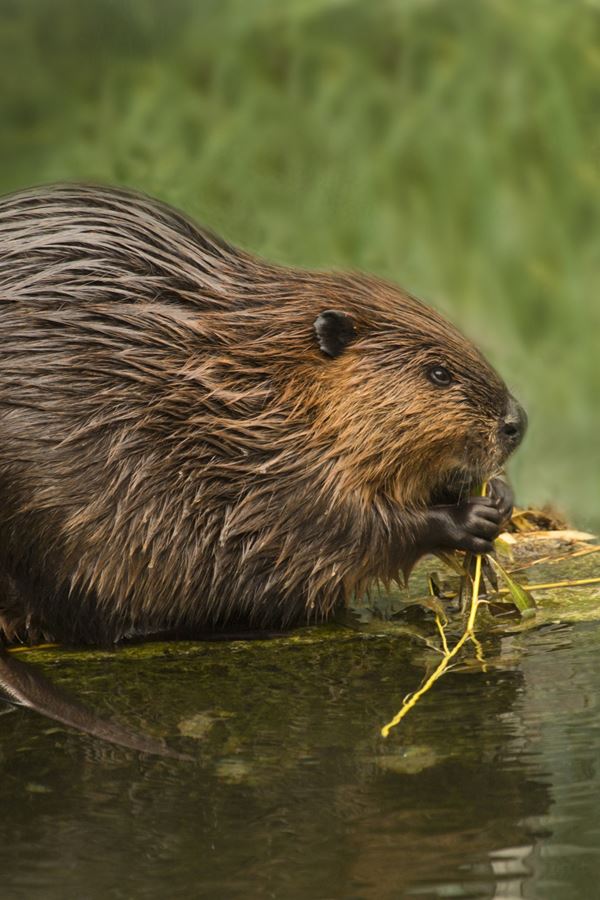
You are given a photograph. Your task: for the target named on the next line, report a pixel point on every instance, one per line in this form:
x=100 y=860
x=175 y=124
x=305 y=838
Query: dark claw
x=485 y=514
x=483 y=502
x=501 y=493
x=486 y=528
x=477 y=545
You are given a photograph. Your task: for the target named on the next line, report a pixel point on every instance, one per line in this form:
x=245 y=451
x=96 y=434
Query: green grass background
x=451 y=145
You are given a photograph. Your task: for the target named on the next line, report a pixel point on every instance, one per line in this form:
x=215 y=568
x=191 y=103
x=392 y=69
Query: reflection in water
x=26 y=685
x=489 y=789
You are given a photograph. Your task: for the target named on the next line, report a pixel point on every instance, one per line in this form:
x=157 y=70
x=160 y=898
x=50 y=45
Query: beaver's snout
x=513 y=426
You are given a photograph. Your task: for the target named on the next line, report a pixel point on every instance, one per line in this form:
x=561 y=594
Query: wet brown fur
x=176 y=452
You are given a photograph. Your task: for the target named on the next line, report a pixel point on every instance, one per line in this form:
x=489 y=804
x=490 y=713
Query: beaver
x=194 y=439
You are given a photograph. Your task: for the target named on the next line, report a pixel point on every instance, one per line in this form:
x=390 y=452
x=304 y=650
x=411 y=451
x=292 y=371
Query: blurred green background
x=451 y=145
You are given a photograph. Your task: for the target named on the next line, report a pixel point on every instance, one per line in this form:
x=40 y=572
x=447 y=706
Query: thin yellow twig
x=560 y=584
x=585 y=552
x=440 y=628
x=448 y=656
x=555 y=559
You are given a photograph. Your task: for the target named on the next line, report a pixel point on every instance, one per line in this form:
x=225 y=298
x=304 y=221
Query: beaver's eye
x=439 y=375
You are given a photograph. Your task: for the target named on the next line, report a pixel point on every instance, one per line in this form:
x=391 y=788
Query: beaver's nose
x=514 y=424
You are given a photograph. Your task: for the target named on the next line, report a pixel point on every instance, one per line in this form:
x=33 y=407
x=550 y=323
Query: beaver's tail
x=23 y=684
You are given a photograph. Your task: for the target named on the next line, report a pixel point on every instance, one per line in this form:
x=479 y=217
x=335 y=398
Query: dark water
x=491 y=788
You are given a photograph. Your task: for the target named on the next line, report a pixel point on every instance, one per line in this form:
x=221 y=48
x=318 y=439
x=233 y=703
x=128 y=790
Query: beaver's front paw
x=472 y=525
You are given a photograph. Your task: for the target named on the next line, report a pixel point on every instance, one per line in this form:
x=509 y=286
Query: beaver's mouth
x=457 y=484
x=464 y=479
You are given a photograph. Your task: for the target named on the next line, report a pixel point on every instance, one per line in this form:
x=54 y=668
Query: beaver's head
x=411 y=404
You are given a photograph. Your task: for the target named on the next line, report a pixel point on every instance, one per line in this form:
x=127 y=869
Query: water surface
x=490 y=788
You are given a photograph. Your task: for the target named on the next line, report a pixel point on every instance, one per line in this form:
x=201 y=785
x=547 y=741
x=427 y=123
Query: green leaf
x=520 y=597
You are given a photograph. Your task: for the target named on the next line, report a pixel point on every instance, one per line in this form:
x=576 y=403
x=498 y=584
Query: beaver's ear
x=334 y=330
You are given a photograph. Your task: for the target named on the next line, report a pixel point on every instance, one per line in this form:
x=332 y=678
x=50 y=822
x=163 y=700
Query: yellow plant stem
x=440 y=628
x=449 y=655
x=555 y=559
x=585 y=552
x=560 y=584
x=551 y=585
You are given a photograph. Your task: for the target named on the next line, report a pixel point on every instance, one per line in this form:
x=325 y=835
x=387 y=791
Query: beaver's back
x=129 y=433
x=78 y=243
